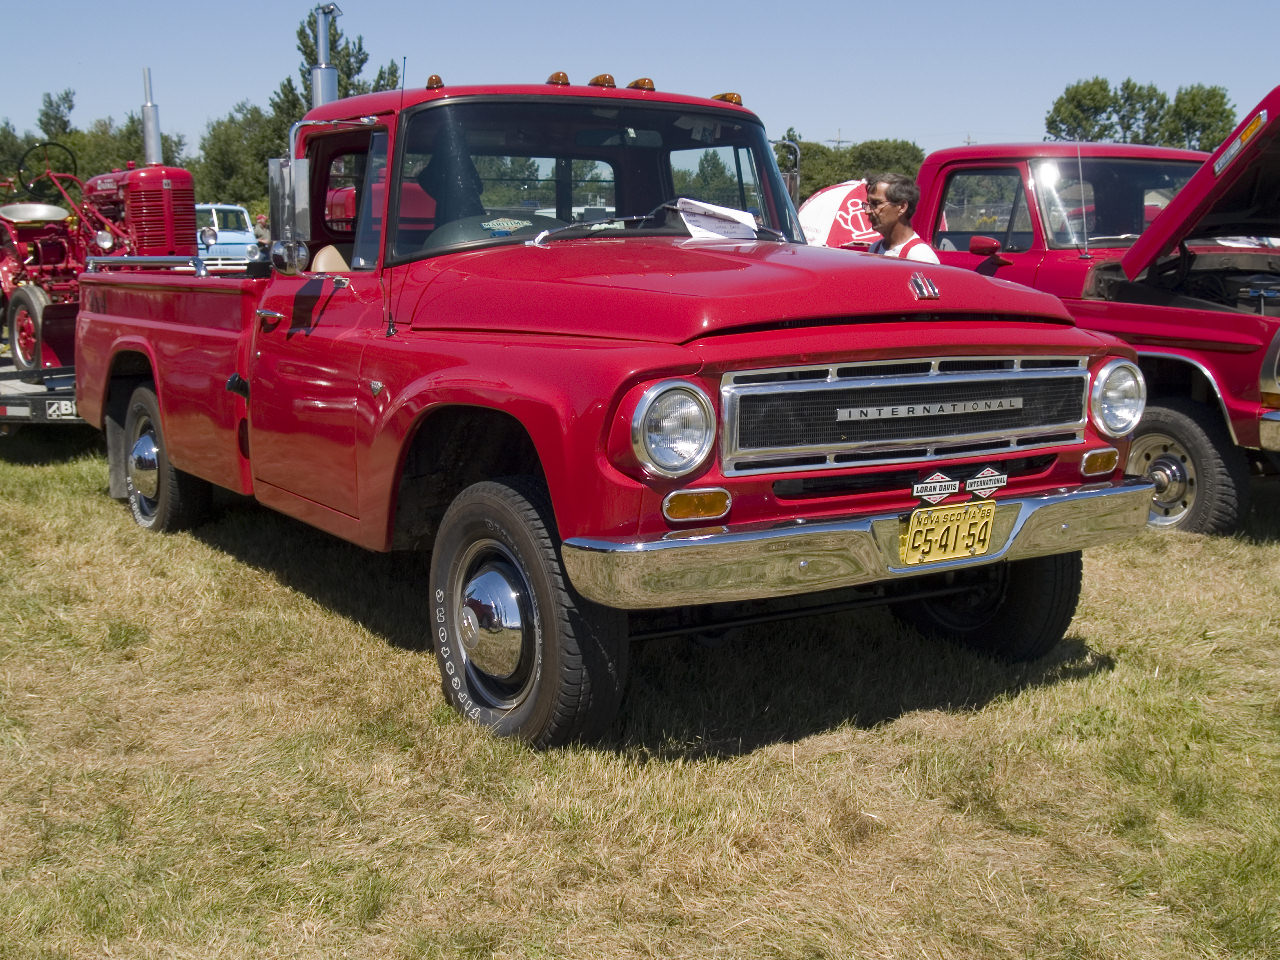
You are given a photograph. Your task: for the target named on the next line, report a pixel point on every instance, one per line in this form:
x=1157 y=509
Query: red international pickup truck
x=1173 y=251
x=569 y=340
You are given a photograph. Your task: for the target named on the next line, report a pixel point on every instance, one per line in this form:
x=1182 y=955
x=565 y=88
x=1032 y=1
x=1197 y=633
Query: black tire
x=1202 y=478
x=24 y=321
x=556 y=673
x=1016 y=611
x=160 y=497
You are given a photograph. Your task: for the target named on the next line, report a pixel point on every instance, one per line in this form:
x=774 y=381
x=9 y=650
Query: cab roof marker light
x=434 y=82
x=602 y=80
x=641 y=83
x=734 y=98
x=558 y=79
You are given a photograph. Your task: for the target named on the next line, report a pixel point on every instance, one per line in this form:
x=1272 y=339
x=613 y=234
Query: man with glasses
x=891 y=199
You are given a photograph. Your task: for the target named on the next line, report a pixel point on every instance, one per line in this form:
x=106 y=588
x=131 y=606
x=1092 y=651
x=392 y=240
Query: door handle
x=268 y=319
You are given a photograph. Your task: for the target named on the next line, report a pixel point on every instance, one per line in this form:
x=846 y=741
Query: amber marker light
x=711 y=503
x=641 y=83
x=734 y=98
x=558 y=79
x=1271 y=399
x=602 y=80
x=434 y=82
x=1099 y=462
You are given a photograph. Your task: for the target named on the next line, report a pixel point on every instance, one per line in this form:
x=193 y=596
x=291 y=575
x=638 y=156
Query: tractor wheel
x=25 y=320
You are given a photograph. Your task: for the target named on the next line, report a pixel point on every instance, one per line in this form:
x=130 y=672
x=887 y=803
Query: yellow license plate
x=933 y=534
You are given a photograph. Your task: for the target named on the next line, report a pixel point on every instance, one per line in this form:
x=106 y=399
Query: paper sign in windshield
x=706 y=221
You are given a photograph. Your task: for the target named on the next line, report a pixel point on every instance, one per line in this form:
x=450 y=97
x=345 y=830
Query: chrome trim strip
x=1269 y=372
x=1269 y=430
x=773 y=560
x=95 y=264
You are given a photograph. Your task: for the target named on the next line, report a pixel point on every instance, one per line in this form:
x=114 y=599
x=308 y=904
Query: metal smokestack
x=324 y=76
x=152 y=150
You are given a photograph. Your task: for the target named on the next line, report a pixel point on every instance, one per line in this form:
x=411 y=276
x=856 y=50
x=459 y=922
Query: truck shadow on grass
x=759 y=685
x=1262 y=525
x=36 y=445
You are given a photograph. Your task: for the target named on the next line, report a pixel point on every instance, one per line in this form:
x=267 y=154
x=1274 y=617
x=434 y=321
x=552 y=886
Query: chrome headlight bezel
x=1112 y=416
x=662 y=462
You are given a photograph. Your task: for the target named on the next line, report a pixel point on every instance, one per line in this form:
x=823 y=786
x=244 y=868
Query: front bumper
x=777 y=560
x=1269 y=431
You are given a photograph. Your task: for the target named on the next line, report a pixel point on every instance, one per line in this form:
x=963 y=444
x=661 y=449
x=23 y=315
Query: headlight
x=673 y=429
x=208 y=236
x=253 y=252
x=1117 y=399
x=104 y=240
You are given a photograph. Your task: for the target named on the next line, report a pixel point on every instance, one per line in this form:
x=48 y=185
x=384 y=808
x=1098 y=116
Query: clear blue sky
x=935 y=72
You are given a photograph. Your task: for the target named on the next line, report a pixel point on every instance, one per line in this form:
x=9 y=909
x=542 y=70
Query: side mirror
x=984 y=246
x=289 y=256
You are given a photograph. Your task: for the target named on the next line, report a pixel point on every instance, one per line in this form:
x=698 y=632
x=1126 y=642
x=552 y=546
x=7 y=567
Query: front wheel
x=25 y=322
x=519 y=651
x=1201 y=477
x=161 y=497
x=1016 y=611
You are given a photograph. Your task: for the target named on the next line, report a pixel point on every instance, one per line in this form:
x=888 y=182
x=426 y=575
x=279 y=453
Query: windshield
x=1102 y=200
x=232 y=218
x=487 y=172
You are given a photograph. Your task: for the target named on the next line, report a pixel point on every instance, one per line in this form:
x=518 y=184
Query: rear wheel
x=160 y=497
x=1201 y=477
x=519 y=651
x=1017 y=611
x=25 y=321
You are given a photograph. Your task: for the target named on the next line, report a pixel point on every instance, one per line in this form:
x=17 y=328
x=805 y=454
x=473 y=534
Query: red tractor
x=46 y=239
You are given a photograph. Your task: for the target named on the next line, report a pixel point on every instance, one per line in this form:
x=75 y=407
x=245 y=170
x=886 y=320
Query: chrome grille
x=805 y=418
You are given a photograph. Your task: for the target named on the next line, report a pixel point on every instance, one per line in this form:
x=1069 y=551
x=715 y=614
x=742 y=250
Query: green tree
x=821 y=165
x=1085 y=111
x=1199 y=118
x=1139 y=110
x=886 y=156
x=54 y=119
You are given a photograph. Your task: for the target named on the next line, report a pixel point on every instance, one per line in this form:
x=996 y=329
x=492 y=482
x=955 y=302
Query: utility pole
x=838 y=140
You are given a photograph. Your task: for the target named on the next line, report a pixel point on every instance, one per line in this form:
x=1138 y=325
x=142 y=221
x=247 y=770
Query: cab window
x=987 y=202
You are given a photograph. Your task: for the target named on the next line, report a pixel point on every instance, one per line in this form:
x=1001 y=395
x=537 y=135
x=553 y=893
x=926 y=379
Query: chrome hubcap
x=144 y=464
x=492 y=619
x=1166 y=463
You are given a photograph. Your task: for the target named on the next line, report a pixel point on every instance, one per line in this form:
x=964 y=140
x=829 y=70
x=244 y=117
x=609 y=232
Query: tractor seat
x=32 y=213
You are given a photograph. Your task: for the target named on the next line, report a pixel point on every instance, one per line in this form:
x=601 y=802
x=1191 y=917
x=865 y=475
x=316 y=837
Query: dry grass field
x=229 y=744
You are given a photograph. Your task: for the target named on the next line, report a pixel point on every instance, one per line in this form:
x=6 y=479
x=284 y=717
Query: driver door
x=989 y=202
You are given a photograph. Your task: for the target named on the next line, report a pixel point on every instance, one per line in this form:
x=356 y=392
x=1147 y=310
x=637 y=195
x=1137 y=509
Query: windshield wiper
x=588 y=226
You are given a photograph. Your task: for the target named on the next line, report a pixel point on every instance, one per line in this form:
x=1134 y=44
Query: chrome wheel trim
x=144 y=466
x=1166 y=463
x=497 y=626
x=24 y=337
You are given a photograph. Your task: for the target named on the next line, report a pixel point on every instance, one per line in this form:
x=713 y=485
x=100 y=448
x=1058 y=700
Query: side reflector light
x=1099 y=462
x=707 y=504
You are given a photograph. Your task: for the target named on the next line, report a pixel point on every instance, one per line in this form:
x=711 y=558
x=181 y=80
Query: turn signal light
x=707 y=504
x=558 y=79
x=1271 y=400
x=602 y=80
x=434 y=82
x=734 y=98
x=1100 y=462
x=641 y=83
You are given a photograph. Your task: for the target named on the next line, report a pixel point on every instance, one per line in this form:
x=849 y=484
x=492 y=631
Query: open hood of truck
x=674 y=290
x=1235 y=194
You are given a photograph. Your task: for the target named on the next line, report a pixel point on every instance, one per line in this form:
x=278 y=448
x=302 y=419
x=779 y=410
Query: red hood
x=675 y=290
x=1232 y=195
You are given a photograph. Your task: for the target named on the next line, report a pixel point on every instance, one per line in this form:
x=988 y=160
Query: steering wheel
x=488 y=225
x=44 y=161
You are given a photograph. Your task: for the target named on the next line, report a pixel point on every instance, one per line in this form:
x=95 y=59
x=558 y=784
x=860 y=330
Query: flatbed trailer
x=53 y=401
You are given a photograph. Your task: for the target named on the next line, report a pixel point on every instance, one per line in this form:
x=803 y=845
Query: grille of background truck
x=790 y=419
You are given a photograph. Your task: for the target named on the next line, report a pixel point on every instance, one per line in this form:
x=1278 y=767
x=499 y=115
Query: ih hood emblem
x=923 y=287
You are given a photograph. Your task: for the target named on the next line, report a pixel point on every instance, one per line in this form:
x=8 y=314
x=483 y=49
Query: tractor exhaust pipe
x=152 y=150
x=324 y=75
